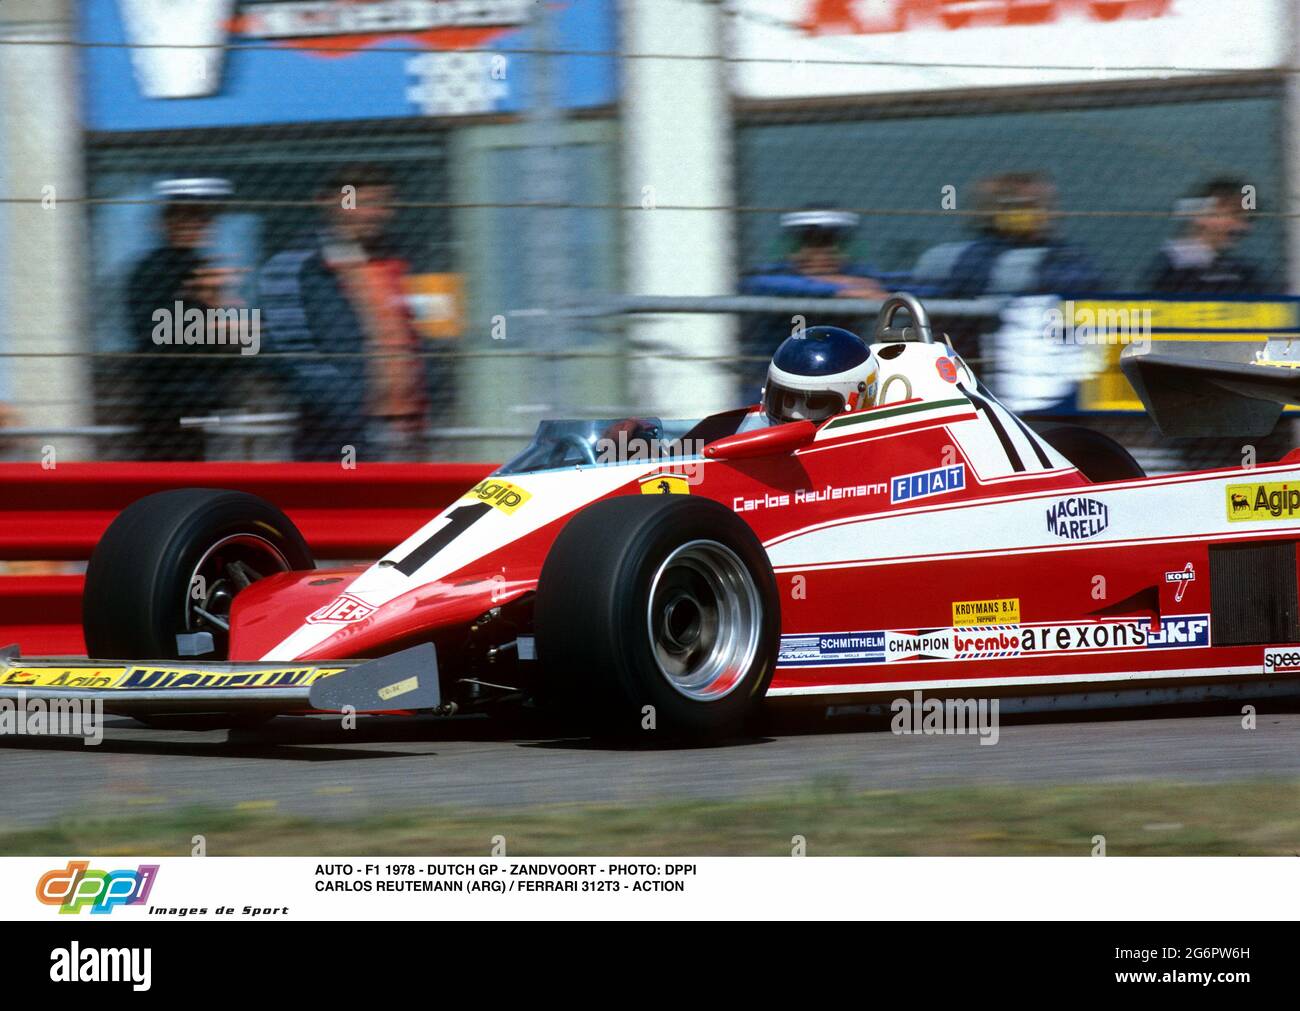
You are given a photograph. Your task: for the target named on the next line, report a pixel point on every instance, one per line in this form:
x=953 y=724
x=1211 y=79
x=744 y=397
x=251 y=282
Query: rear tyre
x=658 y=612
x=1098 y=457
x=171 y=564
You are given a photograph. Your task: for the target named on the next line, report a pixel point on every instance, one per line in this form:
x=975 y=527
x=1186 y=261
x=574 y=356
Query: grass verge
x=1148 y=819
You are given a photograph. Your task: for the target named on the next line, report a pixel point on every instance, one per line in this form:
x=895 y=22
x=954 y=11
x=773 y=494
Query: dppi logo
x=1077 y=519
x=76 y=886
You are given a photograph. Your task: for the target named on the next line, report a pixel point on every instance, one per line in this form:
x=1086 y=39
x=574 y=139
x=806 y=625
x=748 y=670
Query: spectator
x=1201 y=261
x=817 y=267
x=162 y=390
x=1014 y=252
x=335 y=303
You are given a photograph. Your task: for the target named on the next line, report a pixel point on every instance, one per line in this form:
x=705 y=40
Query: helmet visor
x=782 y=404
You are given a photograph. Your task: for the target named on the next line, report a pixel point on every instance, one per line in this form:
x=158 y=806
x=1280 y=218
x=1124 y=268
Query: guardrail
x=59 y=514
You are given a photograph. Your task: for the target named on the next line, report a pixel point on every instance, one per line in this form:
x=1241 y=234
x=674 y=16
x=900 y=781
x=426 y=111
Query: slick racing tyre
x=658 y=617
x=171 y=564
x=1096 y=455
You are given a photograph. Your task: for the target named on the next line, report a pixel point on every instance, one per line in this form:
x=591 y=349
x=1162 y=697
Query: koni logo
x=77 y=887
x=1180 y=578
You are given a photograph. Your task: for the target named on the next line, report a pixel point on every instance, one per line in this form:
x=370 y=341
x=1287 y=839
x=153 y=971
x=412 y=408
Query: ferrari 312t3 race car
x=923 y=539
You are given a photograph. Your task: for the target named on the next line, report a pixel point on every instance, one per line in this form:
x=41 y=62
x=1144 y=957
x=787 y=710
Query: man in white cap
x=177 y=272
x=816 y=266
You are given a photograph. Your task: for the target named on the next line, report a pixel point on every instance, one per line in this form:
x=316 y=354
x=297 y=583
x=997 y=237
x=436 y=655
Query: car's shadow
x=205 y=748
x=649 y=743
x=856 y=720
x=532 y=731
x=326 y=739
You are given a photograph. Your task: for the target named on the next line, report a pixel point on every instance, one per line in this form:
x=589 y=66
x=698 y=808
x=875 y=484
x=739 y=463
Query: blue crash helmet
x=820 y=372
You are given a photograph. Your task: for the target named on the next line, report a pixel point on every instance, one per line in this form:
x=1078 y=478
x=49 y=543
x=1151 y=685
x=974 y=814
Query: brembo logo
x=1077 y=519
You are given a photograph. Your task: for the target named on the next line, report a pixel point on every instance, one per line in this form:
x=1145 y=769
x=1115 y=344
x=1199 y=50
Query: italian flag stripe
x=864 y=417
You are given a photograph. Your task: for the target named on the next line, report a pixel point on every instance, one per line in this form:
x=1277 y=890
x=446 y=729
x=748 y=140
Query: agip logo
x=77 y=887
x=1263 y=501
x=499 y=494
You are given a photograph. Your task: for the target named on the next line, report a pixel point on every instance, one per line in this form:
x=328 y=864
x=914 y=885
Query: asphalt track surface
x=314 y=766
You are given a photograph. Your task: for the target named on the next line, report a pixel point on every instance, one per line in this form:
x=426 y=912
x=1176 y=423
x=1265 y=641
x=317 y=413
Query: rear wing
x=1214 y=388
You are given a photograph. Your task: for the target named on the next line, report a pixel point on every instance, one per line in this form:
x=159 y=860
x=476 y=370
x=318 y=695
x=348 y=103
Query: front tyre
x=171 y=564
x=658 y=614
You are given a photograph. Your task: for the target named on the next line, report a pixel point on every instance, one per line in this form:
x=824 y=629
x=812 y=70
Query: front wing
x=401 y=681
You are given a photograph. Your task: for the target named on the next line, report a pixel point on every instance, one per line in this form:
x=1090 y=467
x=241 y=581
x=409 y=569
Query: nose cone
x=419 y=615
x=271 y=609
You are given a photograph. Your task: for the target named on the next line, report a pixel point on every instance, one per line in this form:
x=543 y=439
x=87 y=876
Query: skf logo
x=665 y=484
x=1182 y=577
x=499 y=494
x=1181 y=632
x=1263 y=502
x=344 y=608
x=925 y=483
x=1077 y=519
x=76 y=887
x=1281 y=661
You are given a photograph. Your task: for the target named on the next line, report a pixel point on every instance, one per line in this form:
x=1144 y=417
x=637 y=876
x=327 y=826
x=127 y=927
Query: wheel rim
x=704 y=619
x=224 y=569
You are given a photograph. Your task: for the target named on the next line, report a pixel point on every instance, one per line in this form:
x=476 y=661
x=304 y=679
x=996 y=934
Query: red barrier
x=60 y=514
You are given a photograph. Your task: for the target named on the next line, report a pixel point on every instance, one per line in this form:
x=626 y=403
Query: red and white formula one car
x=926 y=540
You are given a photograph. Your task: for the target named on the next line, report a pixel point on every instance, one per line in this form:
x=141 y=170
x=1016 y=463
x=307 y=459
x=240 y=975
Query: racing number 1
x=458 y=521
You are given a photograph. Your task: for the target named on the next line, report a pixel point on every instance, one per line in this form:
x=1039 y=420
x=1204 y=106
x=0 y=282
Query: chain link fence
x=409 y=231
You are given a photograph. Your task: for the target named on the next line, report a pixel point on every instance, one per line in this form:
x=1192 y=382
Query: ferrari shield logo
x=665 y=484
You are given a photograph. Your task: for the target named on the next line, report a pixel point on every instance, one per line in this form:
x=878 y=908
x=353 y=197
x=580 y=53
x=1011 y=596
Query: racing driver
x=816 y=373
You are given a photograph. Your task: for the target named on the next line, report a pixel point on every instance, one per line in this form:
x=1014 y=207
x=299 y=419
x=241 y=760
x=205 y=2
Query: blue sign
x=1181 y=632
x=925 y=483
x=831 y=649
x=332 y=60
